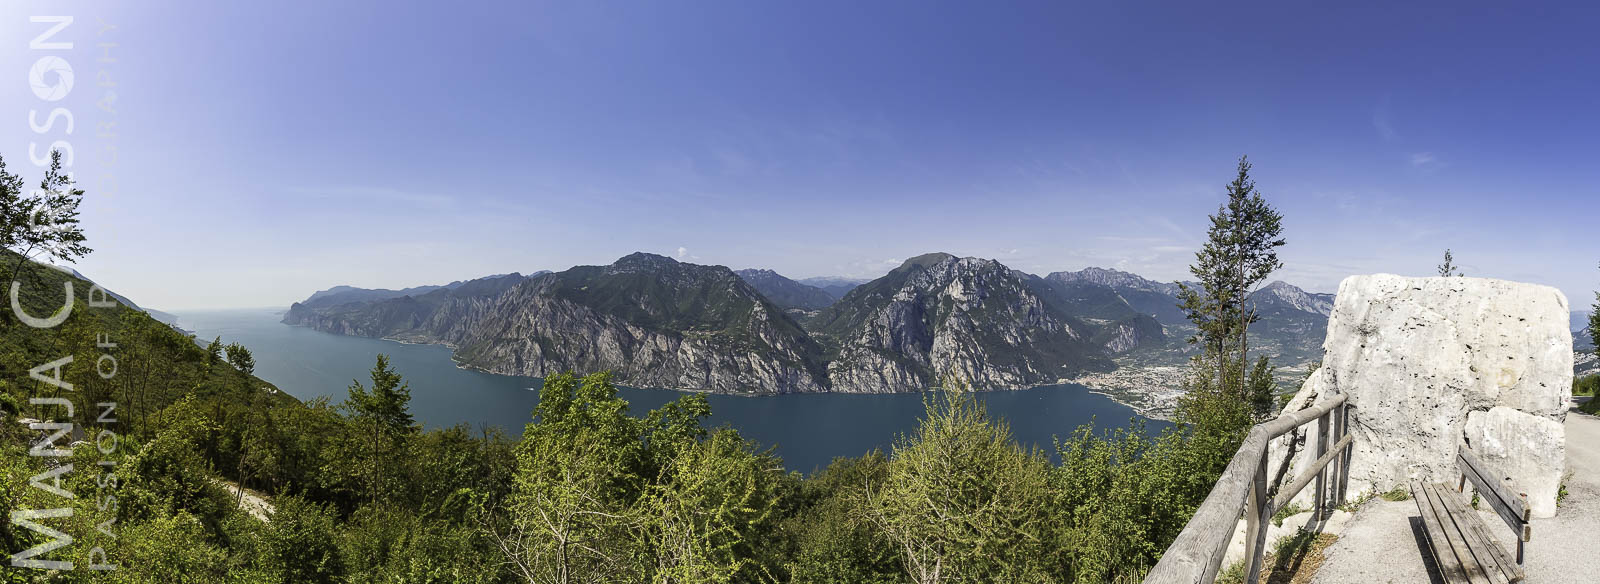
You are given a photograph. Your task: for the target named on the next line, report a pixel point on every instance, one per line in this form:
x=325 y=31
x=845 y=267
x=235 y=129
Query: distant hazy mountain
x=424 y=313
x=1284 y=295
x=835 y=287
x=346 y=294
x=1107 y=293
x=1292 y=326
x=162 y=317
x=1116 y=279
x=786 y=293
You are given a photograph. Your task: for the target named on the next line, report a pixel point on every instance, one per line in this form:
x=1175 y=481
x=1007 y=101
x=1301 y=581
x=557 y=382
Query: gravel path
x=1382 y=543
x=1378 y=546
x=252 y=502
x=1566 y=548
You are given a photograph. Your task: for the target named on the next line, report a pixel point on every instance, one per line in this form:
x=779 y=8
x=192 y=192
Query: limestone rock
x=1430 y=363
x=1522 y=448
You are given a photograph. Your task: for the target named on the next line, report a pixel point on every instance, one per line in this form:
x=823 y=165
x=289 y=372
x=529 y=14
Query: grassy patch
x=1295 y=561
x=1351 y=505
x=1397 y=494
x=1586 y=385
x=1287 y=511
x=1561 y=494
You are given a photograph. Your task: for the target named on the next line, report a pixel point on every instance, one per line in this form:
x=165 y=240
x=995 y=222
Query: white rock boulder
x=1431 y=363
x=1528 y=451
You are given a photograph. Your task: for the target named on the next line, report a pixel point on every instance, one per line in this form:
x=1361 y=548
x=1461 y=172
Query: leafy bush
x=1586 y=385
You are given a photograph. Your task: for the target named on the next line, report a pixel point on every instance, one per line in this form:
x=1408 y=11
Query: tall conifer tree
x=385 y=409
x=1239 y=254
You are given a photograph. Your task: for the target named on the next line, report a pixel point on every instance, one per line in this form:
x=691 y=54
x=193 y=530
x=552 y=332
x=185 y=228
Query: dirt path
x=253 y=503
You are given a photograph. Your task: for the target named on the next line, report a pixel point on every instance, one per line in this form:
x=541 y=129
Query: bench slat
x=1449 y=565
x=1487 y=546
x=1490 y=488
x=1476 y=574
x=1471 y=527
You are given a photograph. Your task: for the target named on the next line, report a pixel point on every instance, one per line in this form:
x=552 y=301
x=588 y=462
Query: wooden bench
x=1461 y=544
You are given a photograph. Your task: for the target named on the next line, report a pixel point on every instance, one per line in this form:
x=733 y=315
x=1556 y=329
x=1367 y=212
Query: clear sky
x=270 y=149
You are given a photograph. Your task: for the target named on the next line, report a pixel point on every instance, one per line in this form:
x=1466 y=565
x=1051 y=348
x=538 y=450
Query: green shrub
x=1586 y=385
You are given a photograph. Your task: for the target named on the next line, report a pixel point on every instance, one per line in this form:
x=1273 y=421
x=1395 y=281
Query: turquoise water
x=808 y=430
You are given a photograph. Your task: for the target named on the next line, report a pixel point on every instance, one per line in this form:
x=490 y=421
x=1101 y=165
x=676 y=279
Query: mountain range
x=658 y=322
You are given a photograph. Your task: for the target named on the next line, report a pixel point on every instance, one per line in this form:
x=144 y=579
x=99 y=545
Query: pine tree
x=44 y=223
x=214 y=351
x=1239 y=254
x=386 y=410
x=1448 y=268
x=1261 y=385
x=1594 y=326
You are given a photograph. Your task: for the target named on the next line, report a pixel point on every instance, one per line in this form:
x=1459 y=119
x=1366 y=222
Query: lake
x=808 y=430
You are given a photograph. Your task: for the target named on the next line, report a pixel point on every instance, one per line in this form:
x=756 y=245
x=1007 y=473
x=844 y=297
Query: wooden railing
x=1196 y=556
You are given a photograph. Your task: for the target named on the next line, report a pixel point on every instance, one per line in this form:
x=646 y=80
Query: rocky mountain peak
x=1294 y=297
x=749 y=273
x=925 y=260
x=641 y=262
x=1114 y=279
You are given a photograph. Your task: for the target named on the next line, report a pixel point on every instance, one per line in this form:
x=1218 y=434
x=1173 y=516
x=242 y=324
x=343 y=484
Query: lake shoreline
x=808 y=430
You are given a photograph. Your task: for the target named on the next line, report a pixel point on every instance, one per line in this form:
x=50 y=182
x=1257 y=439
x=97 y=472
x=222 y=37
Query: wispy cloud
x=383 y=194
x=1425 y=160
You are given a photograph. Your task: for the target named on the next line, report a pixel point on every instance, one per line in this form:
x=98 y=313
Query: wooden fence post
x=1322 y=449
x=1258 y=514
x=1344 y=454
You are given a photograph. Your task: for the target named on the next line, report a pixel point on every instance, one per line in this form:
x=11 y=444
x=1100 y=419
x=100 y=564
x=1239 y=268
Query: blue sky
x=269 y=149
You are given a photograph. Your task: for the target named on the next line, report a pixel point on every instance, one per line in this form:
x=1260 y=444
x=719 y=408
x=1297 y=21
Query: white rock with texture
x=1523 y=449
x=1430 y=363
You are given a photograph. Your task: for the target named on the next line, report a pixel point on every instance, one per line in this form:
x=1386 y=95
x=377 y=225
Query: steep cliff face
x=938 y=315
x=1130 y=333
x=361 y=319
x=653 y=322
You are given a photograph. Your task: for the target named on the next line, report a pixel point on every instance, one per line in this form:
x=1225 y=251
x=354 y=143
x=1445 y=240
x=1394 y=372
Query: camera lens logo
x=38 y=78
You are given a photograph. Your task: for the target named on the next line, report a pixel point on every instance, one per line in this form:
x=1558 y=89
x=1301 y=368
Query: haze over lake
x=808 y=430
